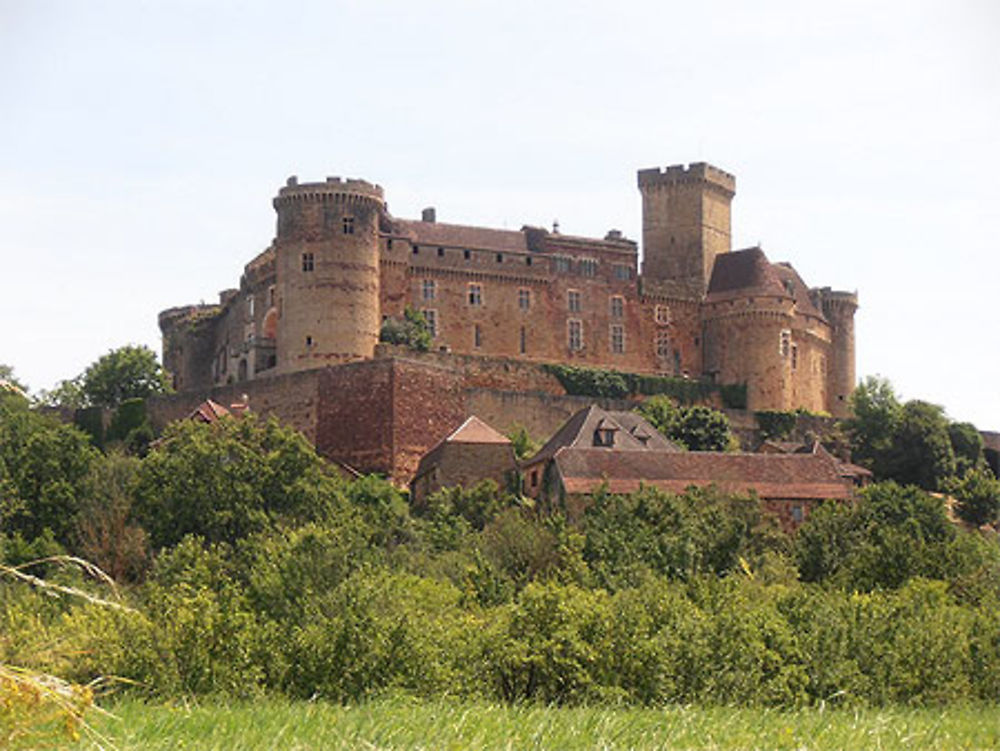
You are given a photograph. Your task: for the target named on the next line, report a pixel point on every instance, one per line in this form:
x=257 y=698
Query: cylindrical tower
x=839 y=309
x=327 y=272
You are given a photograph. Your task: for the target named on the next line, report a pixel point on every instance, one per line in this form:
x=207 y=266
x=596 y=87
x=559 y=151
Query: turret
x=839 y=309
x=685 y=221
x=327 y=272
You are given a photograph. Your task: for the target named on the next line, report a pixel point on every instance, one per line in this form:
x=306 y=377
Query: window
x=475 y=295
x=499 y=257
x=797 y=515
x=575 y=334
x=250 y=306
x=524 y=299
x=617 y=306
x=527 y=260
x=795 y=357
x=573 y=301
x=477 y=336
x=431 y=317
x=562 y=264
x=534 y=478
x=309 y=342
x=622 y=272
x=663 y=345
x=785 y=343
x=524 y=341
x=416 y=250
x=348 y=225
x=618 y=339
x=427 y=289
x=662 y=315
x=270 y=296
x=308 y=264
x=388 y=244
x=466 y=254
x=587 y=267
x=440 y=252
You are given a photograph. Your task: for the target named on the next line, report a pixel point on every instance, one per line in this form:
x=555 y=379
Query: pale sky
x=141 y=144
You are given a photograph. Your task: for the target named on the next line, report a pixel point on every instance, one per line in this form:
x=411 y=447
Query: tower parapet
x=686 y=221
x=839 y=308
x=327 y=271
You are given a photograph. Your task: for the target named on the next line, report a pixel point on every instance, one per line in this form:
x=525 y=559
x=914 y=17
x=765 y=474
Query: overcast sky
x=141 y=144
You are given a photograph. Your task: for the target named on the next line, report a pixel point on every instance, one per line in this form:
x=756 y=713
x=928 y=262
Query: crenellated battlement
x=826 y=299
x=334 y=190
x=695 y=173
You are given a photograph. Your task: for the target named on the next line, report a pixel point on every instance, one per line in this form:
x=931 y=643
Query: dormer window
x=604 y=434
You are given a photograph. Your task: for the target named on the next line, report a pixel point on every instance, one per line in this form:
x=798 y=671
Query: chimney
x=428 y=215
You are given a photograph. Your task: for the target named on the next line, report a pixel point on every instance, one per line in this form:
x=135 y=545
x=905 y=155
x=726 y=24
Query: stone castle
x=341 y=264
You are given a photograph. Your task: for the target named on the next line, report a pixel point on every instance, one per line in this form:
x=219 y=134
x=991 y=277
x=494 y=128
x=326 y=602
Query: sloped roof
x=633 y=433
x=208 y=411
x=472 y=431
x=794 y=285
x=462 y=236
x=745 y=271
x=786 y=476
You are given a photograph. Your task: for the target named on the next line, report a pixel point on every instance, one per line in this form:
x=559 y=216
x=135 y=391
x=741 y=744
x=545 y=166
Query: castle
x=341 y=264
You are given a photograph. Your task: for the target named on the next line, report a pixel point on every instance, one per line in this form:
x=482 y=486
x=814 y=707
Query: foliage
x=967 y=443
x=8 y=382
x=66 y=393
x=921 y=453
x=774 y=423
x=521 y=441
x=43 y=466
x=231 y=479
x=875 y=413
x=611 y=384
x=628 y=537
x=410 y=331
x=977 y=496
x=129 y=372
x=892 y=535
x=696 y=428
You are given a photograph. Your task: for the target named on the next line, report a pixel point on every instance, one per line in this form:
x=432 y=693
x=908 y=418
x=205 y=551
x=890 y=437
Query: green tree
x=875 y=414
x=522 y=442
x=43 y=469
x=231 y=479
x=696 y=428
x=8 y=382
x=921 y=452
x=411 y=331
x=129 y=372
x=977 y=496
x=967 y=443
x=66 y=393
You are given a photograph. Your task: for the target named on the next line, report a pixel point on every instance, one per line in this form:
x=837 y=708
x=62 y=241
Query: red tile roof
x=208 y=411
x=462 y=236
x=632 y=433
x=771 y=476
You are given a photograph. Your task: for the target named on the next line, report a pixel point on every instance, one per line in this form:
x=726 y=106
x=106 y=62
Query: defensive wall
x=382 y=415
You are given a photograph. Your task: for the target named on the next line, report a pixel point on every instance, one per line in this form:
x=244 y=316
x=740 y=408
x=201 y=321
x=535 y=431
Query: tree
x=522 y=442
x=875 y=414
x=129 y=372
x=8 y=382
x=231 y=479
x=696 y=428
x=921 y=452
x=977 y=496
x=967 y=443
x=411 y=331
x=43 y=468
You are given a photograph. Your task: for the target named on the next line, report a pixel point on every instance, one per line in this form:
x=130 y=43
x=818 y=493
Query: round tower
x=839 y=309
x=327 y=274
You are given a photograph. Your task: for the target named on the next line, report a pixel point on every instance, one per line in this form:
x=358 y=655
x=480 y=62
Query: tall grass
x=398 y=724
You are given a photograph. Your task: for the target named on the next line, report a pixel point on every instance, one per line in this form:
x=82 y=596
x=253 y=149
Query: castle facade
x=341 y=264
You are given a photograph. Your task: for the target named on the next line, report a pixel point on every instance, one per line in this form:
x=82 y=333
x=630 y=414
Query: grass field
x=400 y=724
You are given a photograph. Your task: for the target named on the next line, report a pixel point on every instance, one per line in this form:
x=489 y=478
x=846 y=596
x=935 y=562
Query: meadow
x=405 y=724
